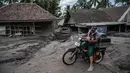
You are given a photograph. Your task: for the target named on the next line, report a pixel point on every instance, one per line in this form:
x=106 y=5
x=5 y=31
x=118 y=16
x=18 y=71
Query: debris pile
x=117 y=58
x=62 y=33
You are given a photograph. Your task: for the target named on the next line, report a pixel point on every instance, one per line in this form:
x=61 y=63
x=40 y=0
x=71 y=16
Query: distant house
x=112 y=19
x=25 y=19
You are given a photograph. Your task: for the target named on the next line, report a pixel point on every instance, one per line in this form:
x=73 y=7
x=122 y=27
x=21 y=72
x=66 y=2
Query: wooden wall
x=13 y=29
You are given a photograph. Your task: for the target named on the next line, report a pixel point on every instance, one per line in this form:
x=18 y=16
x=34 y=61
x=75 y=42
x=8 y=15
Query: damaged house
x=25 y=19
x=115 y=19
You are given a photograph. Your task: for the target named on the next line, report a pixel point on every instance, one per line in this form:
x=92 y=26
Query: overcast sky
x=72 y=2
x=67 y=2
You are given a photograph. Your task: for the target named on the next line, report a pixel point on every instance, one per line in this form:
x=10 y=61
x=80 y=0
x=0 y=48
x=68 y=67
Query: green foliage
x=82 y=4
x=1 y=4
x=91 y=4
x=9 y=1
x=26 y=1
x=49 y=5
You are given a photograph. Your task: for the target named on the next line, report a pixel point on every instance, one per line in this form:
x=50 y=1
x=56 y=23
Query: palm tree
x=49 y=5
x=90 y=4
x=103 y=4
x=122 y=2
x=10 y=1
x=82 y=4
x=99 y=3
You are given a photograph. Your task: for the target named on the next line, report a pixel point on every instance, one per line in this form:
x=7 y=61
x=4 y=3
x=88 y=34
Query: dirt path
x=48 y=60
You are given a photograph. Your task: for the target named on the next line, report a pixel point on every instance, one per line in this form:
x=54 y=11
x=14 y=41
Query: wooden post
x=53 y=25
x=23 y=29
x=34 y=29
x=120 y=28
x=125 y=28
x=26 y=30
x=79 y=30
x=14 y=30
x=19 y=29
x=10 y=30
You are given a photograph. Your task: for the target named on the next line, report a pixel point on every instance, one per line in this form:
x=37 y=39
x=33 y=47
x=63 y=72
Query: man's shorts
x=90 y=47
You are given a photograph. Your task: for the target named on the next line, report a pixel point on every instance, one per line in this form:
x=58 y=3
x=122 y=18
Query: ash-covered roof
x=93 y=15
x=24 y=12
x=88 y=16
x=116 y=12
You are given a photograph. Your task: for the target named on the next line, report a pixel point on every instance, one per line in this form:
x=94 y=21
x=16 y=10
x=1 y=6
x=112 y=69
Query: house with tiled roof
x=112 y=19
x=25 y=19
